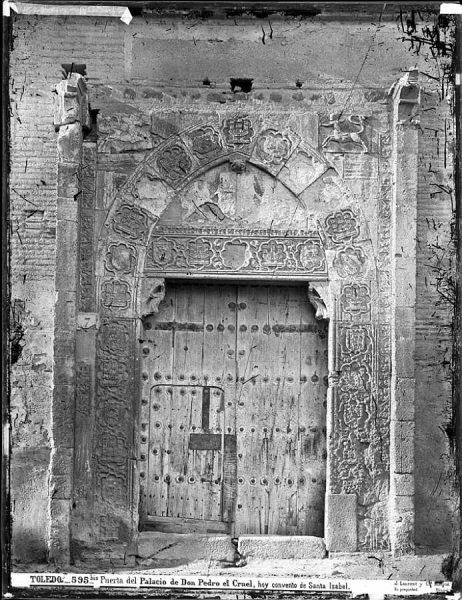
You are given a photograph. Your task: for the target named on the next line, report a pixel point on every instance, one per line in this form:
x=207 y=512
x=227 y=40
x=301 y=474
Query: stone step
x=281 y=547
x=171 y=549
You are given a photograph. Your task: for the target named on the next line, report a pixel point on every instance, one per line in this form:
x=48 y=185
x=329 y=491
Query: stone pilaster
x=71 y=116
x=406 y=104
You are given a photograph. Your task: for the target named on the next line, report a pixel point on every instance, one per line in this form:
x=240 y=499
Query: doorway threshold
x=274 y=547
x=156 y=549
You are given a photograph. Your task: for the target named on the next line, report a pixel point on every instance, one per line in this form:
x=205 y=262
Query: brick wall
x=157 y=64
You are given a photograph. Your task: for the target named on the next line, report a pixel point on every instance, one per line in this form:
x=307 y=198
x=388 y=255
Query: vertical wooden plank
x=219 y=365
x=284 y=319
x=312 y=451
x=157 y=365
x=187 y=371
x=186 y=482
x=189 y=335
x=252 y=406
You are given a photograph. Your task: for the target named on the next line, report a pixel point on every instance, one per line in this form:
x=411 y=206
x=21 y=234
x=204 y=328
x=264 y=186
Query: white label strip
x=375 y=588
x=450 y=8
x=22 y=8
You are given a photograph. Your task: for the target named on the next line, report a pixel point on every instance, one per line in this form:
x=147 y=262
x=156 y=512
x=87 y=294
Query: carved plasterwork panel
x=243 y=198
x=113 y=433
x=257 y=253
x=345 y=134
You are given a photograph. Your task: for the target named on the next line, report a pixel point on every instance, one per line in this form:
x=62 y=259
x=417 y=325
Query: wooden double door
x=235 y=420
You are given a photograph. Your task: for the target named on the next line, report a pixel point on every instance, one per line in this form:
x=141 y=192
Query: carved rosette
x=238 y=131
x=131 y=222
x=350 y=262
x=205 y=143
x=174 y=163
x=342 y=226
x=273 y=147
x=121 y=259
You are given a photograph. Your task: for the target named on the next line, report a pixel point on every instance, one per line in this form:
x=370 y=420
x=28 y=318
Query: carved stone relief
x=228 y=249
x=131 y=222
x=112 y=451
x=273 y=147
x=87 y=230
x=350 y=262
x=174 y=163
x=342 y=226
x=207 y=250
x=238 y=131
x=152 y=294
x=122 y=132
x=205 y=142
x=115 y=294
x=345 y=134
x=355 y=302
x=318 y=303
x=121 y=258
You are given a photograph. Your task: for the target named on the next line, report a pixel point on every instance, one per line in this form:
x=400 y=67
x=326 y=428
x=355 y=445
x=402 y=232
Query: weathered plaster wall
x=147 y=80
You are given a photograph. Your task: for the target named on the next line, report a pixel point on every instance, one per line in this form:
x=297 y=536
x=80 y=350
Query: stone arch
x=357 y=470
x=308 y=175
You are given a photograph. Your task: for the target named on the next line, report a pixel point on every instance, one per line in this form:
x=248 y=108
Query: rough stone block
x=59 y=532
x=64 y=370
x=68 y=180
x=404 y=484
x=71 y=101
x=29 y=495
x=402 y=449
x=404 y=365
x=341 y=523
x=279 y=546
x=155 y=546
x=70 y=143
x=406 y=229
x=402 y=533
x=61 y=479
x=300 y=170
x=403 y=408
x=63 y=415
x=64 y=342
x=65 y=308
x=67 y=209
x=403 y=504
x=405 y=290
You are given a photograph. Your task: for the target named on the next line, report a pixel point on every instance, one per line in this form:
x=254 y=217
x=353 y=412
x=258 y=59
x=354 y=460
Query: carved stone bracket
x=71 y=102
x=406 y=97
x=152 y=294
x=322 y=311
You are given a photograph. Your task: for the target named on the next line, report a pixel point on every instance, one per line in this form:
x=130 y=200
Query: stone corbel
x=319 y=303
x=71 y=102
x=152 y=294
x=406 y=98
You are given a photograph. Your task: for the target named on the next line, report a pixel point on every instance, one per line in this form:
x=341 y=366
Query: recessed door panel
x=186 y=452
x=237 y=378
